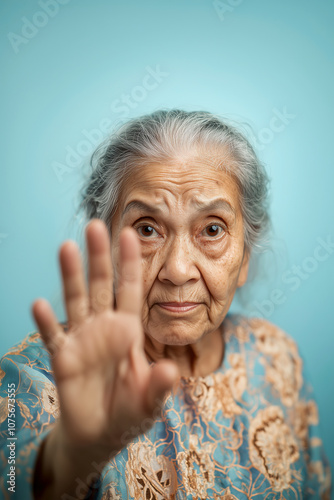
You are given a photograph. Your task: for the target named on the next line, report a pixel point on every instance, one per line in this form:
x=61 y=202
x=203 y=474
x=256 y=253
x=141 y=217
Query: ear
x=243 y=273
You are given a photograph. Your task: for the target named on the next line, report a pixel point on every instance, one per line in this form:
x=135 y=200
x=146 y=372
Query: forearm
x=64 y=472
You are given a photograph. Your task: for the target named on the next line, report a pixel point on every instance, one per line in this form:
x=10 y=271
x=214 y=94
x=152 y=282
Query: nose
x=179 y=266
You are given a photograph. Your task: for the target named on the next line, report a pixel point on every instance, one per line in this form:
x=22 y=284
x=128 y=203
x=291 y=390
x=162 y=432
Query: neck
x=193 y=360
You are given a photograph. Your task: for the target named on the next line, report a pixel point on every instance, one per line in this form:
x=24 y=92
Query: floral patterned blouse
x=249 y=430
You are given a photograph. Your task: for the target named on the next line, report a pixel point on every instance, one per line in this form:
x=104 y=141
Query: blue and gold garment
x=249 y=430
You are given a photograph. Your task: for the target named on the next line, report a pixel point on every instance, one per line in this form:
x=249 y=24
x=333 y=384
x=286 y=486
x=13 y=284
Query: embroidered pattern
x=248 y=430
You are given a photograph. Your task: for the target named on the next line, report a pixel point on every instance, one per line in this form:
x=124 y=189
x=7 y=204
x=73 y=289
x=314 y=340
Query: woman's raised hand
x=105 y=385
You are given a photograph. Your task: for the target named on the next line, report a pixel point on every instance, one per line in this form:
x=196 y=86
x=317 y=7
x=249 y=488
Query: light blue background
x=257 y=57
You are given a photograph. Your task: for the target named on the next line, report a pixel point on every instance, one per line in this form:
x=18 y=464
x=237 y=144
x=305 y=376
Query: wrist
x=62 y=468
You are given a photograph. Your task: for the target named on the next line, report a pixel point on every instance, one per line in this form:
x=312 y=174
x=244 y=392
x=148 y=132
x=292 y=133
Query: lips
x=178 y=306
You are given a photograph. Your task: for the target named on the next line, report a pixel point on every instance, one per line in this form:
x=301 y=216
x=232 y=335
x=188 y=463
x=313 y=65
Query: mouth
x=178 y=307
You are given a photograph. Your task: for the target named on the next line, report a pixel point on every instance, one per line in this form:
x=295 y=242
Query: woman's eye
x=146 y=231
x=213 y=230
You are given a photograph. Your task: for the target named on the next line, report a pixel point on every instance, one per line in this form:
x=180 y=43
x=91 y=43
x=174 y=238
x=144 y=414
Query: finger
x=130 y=287
x=163 y=375
x=47 y=324
x=100 y=275
x=74 y=285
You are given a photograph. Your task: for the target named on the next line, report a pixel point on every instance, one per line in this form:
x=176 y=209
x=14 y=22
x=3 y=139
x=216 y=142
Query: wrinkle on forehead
x=190 y=188
x=180 y=184
x=200 y=204
x=208 y=160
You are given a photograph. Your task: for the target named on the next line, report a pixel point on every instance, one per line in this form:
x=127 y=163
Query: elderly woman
x=153 y=390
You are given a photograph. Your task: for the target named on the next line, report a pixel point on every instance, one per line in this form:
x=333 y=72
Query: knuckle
x=72 y=293
x=81 y=308
x=102 y=299
x=130 y=276
x=102 y=274
x=57 y=344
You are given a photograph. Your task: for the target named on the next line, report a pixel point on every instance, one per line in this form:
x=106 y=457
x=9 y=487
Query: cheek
x=150 y=269
x=216 y=279
x=221 y=276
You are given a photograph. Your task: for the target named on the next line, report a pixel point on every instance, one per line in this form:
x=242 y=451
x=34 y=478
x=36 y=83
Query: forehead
x=186 y=182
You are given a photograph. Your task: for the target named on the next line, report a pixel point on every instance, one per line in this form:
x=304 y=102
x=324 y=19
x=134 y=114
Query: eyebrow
x=219 y=203
x=140 y=206
x=201 y=206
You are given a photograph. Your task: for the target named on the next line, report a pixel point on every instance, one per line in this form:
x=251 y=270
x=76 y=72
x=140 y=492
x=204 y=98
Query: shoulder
x=30 y=346
x=28 y=354
x=271 y=353
x=260 y=335
x=26 y=367
x=265 y=336
x=272 y=340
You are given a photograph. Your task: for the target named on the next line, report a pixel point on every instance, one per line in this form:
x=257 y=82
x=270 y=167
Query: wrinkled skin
x=183 y=259
x=184 y=252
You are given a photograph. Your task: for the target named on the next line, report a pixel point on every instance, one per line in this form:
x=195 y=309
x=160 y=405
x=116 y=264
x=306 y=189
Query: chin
x=174 y=335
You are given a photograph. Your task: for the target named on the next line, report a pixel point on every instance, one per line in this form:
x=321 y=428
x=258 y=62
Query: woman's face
x=189 y=223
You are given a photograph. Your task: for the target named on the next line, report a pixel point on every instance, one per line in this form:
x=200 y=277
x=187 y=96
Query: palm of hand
x=105 y=384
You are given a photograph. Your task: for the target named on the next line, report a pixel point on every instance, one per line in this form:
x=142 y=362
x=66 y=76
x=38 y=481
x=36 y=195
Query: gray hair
x=165 y=136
